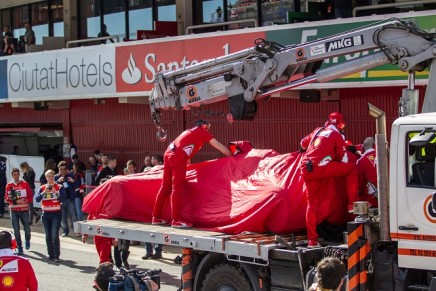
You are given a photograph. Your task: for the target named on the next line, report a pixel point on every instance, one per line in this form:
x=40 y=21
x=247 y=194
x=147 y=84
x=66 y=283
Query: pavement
x=78 y=262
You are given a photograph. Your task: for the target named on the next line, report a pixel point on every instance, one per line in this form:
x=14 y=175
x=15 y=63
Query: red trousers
x=314 y=181
x=173 y=182
x=104 y=248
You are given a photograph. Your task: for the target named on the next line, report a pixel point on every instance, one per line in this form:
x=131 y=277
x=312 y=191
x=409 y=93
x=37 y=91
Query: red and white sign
x=136 y=65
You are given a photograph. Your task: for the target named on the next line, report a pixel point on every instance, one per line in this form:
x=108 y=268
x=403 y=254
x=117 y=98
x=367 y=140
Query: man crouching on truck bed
x=176 y=157
x=325 y=158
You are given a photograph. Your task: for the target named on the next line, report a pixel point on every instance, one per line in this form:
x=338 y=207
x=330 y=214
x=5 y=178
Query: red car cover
x=256 y=190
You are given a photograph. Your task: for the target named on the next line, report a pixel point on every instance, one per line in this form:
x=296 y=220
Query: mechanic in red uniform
x=325 y=158
x=176 y=157
x=16 y=273
x=366 y=167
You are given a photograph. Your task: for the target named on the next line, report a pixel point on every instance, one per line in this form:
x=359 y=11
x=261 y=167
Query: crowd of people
x=10 y=45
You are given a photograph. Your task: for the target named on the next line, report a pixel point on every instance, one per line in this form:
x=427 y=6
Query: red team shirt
x=191 y=141
x=16 y=273
x=320 y=148
x=25 y=196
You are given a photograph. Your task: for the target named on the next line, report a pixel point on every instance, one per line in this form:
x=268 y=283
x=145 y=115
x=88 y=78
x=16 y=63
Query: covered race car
x=256 y=190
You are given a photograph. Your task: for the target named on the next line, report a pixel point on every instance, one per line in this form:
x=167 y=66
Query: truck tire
x=225 y=278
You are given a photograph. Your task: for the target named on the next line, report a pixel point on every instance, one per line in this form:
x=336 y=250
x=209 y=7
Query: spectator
x=18 y=196
x=330 y=273
x=104 y=33
x=29 y=36
x=22 y=276
x=147 y=163
x=131 y=167
x=3 y=183
x=68 y=206
x=29 y=177
x=50 y=164
x=97 y=156
x=79 y=190
x=109 y=171
x=104 y=160
x=7 y=45
x=75 y=160
x=16 y=150
x=93 y=166
x=51 y=195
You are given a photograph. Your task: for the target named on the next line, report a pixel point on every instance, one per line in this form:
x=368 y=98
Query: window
x=213 y=11
x=57 y=14
x=421 y=158
x=115 y=17
x=39 y=21
x=89 y=18
x=166 y=10
x=140 y=16
x=20 y=15
x=274 y=11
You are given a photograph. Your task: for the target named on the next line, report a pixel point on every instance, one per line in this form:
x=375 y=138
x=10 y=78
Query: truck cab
x=412 y=189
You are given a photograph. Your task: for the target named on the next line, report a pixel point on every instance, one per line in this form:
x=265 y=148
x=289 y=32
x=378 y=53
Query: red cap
x=348 y=143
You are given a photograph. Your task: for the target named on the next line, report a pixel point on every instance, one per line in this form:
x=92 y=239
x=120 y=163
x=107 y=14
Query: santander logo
x=137 y=65
x=132 y=74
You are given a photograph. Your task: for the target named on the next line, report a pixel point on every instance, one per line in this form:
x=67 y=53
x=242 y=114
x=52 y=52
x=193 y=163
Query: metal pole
x=382 y=170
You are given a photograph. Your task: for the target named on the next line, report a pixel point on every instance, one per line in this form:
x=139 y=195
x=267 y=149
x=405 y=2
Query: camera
x=13 y=196
x=134 y=280
x=49 y=187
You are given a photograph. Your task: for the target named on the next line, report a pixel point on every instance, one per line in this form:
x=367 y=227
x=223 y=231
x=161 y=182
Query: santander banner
x=136 y=65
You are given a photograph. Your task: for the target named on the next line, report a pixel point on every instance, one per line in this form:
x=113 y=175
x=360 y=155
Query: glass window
x=213 y=11
x=39 y=21
x=421 y=158
x=89 y=18
x=275 y=11
x=115 y=17
x=240 y=10
x=57 y=12
x=166 y=10
x=20 y=15
x=5 y=18
x=140 y=16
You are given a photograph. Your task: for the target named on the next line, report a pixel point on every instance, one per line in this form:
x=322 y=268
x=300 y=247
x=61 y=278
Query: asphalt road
x=78 y=262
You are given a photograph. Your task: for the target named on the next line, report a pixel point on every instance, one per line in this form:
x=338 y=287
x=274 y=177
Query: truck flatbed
x=252 y=248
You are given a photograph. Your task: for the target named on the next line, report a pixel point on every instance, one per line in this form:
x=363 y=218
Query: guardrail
x=389 y=5
x=223 y=24
x=92 y=40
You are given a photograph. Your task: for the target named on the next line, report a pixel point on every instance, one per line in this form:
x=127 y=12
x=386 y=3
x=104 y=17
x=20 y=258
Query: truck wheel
x=225 y=278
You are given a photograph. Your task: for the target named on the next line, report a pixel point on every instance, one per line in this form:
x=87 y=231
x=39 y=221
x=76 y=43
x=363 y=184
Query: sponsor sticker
x=167 y=238
x=300 y=54
x=218 y=88
x=317 y=50
x=191 y=92
x=343 y=43
x=8 y=281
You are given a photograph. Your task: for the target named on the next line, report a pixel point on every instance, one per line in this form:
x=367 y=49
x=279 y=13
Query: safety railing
x=218 y=24
x=97 y=39
x=390 y=5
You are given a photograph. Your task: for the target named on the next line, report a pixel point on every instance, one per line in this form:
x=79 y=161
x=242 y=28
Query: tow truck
x=392 y=247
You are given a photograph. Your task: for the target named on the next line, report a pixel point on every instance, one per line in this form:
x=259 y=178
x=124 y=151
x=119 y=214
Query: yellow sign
x=8 y=281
